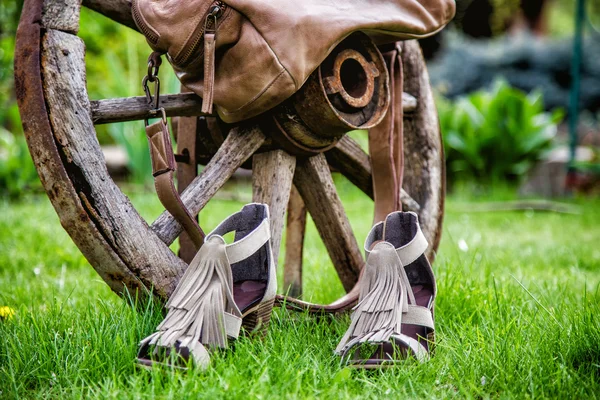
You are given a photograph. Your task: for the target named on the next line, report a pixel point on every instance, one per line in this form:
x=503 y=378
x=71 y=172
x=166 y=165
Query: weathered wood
x=117 y=10
x=42 y=146
x=186 y=128
x=350 y=160
x=354 y=163
x=179 y=104
x=316 y=187
x=146 y=256
x=136 y=108
x=272 y=175
x=239 y=145
x=409 y=103
x=294 y=244
x=62 y=15
x=424 y=176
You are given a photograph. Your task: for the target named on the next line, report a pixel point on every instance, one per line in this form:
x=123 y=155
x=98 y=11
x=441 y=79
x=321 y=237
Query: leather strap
x=209 y=72
x=185 y=133
x=418 y=315
x=249 y=244
x=413 y=249
x=419 y=351
x=343 y=304
x=232 y=325
x=163 y=167
x=386 y=144
x=407 y=253
x=387 y=161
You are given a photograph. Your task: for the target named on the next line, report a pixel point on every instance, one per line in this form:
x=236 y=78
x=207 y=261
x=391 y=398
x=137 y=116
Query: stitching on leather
x=272 y=51
x=194 y=59
x=257 y=96
x=139 y=12
x=187 y=39
x=404 y=36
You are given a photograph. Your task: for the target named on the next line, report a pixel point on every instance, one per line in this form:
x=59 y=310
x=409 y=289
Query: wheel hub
x=350 y=90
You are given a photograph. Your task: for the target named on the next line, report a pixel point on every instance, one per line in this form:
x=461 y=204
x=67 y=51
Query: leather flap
x=265 y=51
x=161 y=150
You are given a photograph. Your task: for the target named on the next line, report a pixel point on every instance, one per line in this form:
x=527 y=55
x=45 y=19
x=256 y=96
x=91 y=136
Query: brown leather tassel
x=209 y=72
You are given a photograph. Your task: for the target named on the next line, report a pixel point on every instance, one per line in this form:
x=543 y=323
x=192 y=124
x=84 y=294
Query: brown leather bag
x=247 y=56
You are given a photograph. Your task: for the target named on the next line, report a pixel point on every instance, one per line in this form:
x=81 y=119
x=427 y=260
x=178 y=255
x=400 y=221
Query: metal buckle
x=153 y=101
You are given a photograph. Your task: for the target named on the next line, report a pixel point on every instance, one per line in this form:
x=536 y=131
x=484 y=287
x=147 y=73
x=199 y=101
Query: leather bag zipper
x=209 y=34
x=205 y=33
x=141 y=23
x=208 y=23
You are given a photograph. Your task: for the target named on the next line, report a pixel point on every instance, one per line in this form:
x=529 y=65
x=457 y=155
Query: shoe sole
x=256 y=320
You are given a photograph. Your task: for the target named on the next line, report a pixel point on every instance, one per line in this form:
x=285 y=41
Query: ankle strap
x=407 y=253
x=413 y=249
x=375 y=235
x=253 y=241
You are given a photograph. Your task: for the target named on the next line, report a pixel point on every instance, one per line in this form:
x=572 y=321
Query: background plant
x=17 y=172
x=117 y=71
x=497 y=134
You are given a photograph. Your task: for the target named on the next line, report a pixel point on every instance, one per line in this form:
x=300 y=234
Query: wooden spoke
x=62 y=15
x=409 y=103
x=239 y=145
x=272 y=175
x=136 y=108
x=316 y=187
x=352 y=161
x=294 y=244
x=117 y=10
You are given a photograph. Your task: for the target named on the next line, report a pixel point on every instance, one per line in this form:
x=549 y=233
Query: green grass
x=516 y=315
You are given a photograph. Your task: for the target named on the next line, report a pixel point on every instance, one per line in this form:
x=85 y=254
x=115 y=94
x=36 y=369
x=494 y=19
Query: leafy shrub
x=495 y=135
x=17 y=172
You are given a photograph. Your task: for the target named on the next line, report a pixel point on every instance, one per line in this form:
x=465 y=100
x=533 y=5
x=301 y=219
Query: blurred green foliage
x=17 y=172
x=561 y=16
x=116 y=63
x=496 y=135
x=504 y=12
x=9 y=19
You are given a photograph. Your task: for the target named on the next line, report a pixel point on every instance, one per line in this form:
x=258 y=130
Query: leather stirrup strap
x=163 y=167
x=184 y=130
x=386 y=144
x=387 y=161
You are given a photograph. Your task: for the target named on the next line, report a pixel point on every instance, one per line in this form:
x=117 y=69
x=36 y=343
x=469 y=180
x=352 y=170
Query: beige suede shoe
x=393 y=319
x=226 y=286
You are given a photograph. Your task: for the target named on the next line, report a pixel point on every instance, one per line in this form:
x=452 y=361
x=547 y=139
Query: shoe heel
x=257 y=322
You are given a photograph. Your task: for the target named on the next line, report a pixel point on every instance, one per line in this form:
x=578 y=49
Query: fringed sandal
x=225 y=287
x=393 y=319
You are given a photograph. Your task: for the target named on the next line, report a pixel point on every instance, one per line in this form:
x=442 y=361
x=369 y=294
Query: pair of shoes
x=228 y=286
x=393 y=319
x=225 y=287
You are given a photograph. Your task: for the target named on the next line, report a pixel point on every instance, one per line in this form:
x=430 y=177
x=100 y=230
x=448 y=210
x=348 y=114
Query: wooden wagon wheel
x=126 y=251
